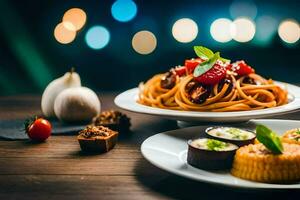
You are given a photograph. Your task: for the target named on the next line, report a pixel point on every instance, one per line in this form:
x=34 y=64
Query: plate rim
x=263 y=186
x=292 y=106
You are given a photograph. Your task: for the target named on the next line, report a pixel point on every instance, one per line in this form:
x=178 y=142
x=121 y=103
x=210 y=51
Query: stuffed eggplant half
x=210 y=154
x=237 y=136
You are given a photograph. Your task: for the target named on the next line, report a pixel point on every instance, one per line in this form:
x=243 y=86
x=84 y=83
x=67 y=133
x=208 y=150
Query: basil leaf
x=269 y=138
x=203 y=52
x=206 y=53
x=224 y=60
x=206 y=65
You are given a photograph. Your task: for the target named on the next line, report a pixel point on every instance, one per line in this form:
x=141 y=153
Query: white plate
x=168 y=151
x=127 y=100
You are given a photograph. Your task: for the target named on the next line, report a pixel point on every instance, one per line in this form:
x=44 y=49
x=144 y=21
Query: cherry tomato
x=192 y=64
x=241 y=68
x=214 y=75
x=38 y=129
x=180 y=71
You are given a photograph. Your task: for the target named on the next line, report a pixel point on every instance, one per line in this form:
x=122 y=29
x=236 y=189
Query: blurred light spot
x=65 y=32
x=185 y=30
x=221 y=30
x=289 y=31
x=144 y=42
x=69 y=26
x=244 y=8
x=266 y=29
x=124 y=10
x=244 y=30
x=76 y=16
x=97 y=37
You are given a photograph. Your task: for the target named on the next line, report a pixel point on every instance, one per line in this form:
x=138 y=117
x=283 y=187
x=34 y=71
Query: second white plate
x=168 y=151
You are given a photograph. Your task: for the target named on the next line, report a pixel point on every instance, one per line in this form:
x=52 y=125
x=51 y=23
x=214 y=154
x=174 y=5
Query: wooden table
x=57 y=169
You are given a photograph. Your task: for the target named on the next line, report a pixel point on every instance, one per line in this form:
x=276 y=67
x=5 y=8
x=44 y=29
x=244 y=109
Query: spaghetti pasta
x=233 y=93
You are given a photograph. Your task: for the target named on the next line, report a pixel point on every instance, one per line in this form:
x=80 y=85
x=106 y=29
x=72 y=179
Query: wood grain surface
x=57 y=169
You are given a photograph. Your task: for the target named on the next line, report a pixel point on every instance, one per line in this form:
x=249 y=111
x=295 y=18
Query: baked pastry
x=114 y=120
x=291 y=136
x=255 y=162
x=97 y=139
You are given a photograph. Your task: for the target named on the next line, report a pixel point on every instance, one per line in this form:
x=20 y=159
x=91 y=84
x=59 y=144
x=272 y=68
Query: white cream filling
x=202 y=144
x=231 y=133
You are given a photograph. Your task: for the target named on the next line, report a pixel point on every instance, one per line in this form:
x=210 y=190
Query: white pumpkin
x=79 y=104
x=70 y=79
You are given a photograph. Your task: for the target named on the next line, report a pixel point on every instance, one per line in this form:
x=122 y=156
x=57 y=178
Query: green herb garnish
x=215 y=145
x=203 y=52
x=237 y=133
x=206 y=65
x=234 y=131
x=269 y=138
x=210 y=59
x=298 y=131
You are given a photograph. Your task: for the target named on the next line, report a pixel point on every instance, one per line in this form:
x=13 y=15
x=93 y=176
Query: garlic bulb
x=79 y=104
x=70 y=79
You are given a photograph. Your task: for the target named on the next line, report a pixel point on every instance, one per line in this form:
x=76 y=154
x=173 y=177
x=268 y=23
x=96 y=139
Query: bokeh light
x=266 y=29
x=185 y=30
x=97 y=37
x=65 y=32
x=144 y=42
x=124 y=10
x=244 y=30
x=76 y=16
x=221 y=30
x=289 y=31
x=243 y=8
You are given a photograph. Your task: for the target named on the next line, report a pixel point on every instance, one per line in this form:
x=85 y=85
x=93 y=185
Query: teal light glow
x=124 y=10
x=24 y=46
x=266 y=30
x=97 y=37
x=243 y=8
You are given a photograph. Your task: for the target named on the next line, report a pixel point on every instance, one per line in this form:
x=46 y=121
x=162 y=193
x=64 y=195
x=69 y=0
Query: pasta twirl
x=243 y=96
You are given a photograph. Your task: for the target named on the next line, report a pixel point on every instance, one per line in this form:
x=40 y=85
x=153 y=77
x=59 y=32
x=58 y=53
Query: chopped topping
x=222 y=83
x=111 y=117
x=197 y=92
x=94 y=131
x=241 y=68
x=190 y=86
x=169 y=80
x=249 y=80
x=212 y=145
x=215 y=145
x=238 y=133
